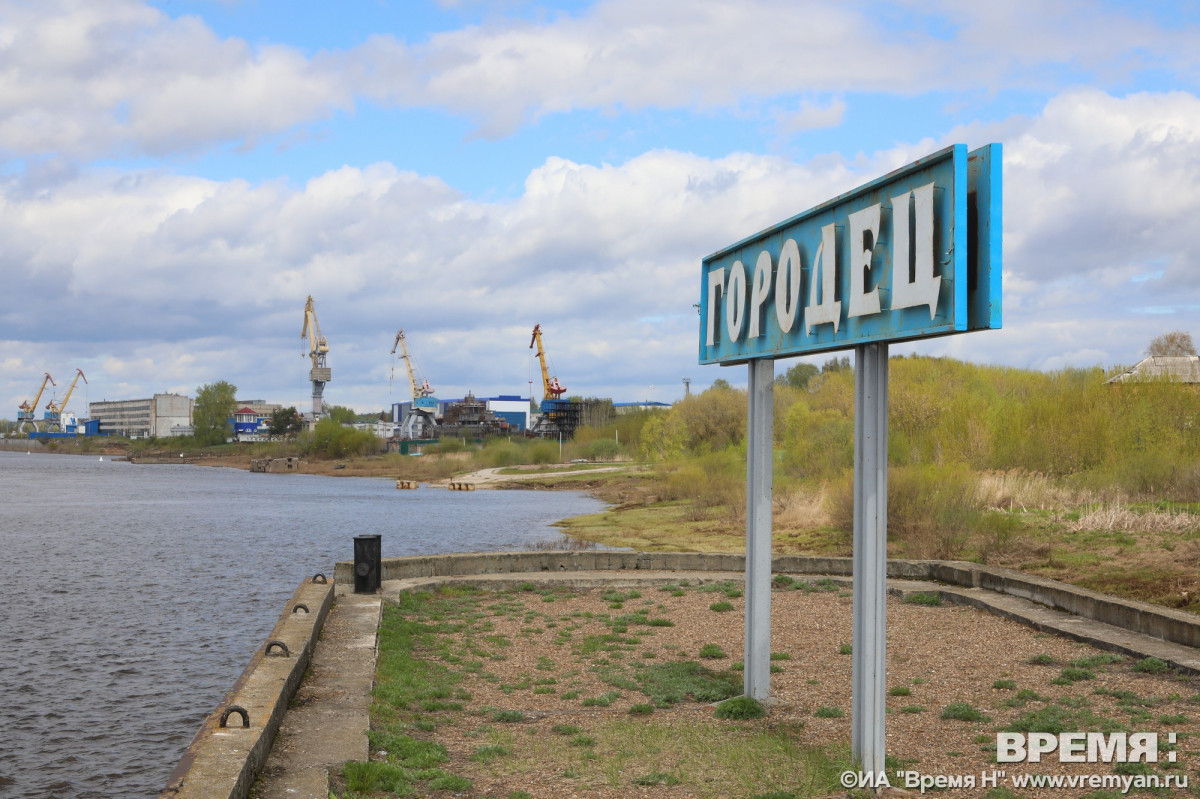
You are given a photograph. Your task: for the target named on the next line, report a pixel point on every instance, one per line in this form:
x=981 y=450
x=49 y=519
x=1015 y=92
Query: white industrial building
x=161 y=416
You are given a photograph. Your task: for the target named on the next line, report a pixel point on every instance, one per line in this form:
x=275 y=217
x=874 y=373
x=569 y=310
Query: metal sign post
x=869 y=662
x=756 y=677
x=911 y=255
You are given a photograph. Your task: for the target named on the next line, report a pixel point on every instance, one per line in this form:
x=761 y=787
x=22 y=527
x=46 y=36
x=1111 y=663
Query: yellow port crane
x=54 y=417
x=421 y=420
x=26 y=410
x=419 y=390
x=318 y=348
x=551 y=388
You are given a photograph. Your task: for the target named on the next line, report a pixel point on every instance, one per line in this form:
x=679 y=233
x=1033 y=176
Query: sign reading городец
x=913 y=254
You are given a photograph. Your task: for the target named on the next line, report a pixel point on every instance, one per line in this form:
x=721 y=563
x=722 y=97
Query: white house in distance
x=1166 y=368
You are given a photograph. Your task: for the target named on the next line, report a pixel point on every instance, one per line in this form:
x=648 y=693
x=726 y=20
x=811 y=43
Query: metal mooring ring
x=241 y=711
x=277 y=643
x=319 y=578
x=299 y=606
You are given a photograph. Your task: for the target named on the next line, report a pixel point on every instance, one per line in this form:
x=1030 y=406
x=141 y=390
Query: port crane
x=318 y=348
x=551 y=388
x=54 y=410
x=26 y=410
x=424 y=404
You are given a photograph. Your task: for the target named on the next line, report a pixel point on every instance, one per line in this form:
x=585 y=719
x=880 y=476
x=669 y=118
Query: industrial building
x=161 y=416
x=510 y=408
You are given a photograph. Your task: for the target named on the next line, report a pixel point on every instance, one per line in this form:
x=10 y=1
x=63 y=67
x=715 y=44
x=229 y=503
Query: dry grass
x=1116 y=517
x=1017 y=489
x=802 y=509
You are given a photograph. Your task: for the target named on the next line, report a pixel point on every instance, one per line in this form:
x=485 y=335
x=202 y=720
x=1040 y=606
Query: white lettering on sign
x=787 y=285
x=914 y=280
x=822 y=307
x=864 y=231
x=762 y=289
x=735 y=300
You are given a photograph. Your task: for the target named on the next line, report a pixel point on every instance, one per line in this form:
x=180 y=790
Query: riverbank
x=1146 y=550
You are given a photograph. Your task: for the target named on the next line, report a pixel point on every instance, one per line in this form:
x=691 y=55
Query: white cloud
x=120 y=78
x=151 y=281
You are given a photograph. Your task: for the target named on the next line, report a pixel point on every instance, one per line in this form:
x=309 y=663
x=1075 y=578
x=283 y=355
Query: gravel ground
x=937 y=656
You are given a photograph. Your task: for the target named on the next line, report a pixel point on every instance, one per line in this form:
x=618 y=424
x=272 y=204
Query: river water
x=137 y=594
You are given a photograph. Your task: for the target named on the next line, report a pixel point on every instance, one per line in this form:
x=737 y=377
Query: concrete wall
x=222 y=762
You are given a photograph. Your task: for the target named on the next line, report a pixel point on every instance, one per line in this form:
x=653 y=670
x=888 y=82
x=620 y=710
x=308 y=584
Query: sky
x=178 y=176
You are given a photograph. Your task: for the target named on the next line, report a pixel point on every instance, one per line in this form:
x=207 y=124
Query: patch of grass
x=641 y=709
x=740 y=708
x=486 y=754
x=1073 y=674
x=827 y=712
x=604 y=700
x=929 y=598
x=962 y=711
x=846 y=649
x=1023 y=697
x=670 y=683
x=721 y=607
x=1095 y=661
x=1004 y=685
x=712 y=652
x=450 y=782
x=508 y=716
x=582 y=741
x=913 y=709
x=1041 y=660
x=1055 y=719
x=371 y=776
x=657 y=778
x=900 y=690
x=780 y=656
x=1152 y=665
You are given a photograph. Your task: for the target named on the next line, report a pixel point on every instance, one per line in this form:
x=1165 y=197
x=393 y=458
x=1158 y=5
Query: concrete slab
x=327 y=722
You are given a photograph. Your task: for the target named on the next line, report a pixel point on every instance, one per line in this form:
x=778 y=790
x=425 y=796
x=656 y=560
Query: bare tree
x=1177 y=342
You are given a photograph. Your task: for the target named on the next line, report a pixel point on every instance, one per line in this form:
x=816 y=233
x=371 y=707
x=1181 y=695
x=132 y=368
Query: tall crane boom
x=551 y=388
x=26 y=410
x=422 y=392
x=318 y=348
x=54 y=417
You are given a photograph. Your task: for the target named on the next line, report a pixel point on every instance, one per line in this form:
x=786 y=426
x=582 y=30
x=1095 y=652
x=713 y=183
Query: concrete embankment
x=225 y=756
x=21 y=445
x=223 y=762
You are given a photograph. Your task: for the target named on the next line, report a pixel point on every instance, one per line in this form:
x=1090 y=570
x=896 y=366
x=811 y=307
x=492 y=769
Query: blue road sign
x=913 y=254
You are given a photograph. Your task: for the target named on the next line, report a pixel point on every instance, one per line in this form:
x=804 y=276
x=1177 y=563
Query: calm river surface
x=137 y=595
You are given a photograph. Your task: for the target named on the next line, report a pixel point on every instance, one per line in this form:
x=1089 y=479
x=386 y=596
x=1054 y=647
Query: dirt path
x=488 y=478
